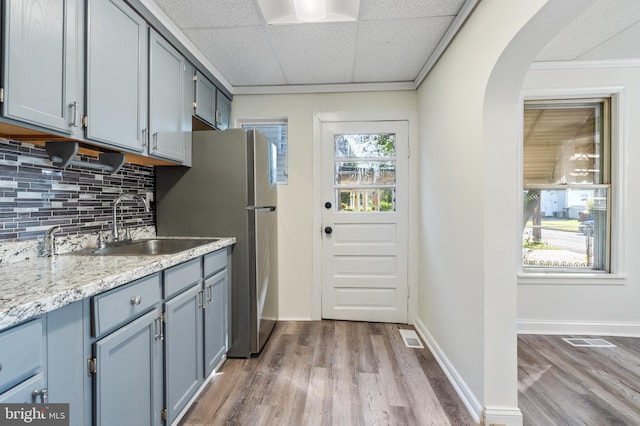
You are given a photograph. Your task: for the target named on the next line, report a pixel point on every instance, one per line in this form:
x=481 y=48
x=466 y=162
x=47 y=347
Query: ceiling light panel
x=277 y=12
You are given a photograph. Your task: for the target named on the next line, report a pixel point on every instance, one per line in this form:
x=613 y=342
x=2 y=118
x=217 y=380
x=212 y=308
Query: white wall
x=295 y=200
x=597 y=306
x=469 y=113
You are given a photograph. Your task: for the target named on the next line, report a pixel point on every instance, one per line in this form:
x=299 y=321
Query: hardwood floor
x=331 y=373
x=564 y=385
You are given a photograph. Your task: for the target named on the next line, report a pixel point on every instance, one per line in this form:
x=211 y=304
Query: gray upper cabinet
x=211 y=105
x=223 y=111
x=43 y=63
x=167 y=91
x=117 y=70
x=205 y=100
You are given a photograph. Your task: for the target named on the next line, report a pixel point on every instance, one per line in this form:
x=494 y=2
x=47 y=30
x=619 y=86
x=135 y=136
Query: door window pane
x=366 y=200
x=365 y=172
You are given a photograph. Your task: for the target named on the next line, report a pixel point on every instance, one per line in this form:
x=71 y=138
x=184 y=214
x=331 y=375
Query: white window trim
x=239 y=122
x=617 y=274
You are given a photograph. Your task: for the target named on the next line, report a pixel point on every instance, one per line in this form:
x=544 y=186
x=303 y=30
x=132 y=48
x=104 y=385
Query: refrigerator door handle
x=262 y=208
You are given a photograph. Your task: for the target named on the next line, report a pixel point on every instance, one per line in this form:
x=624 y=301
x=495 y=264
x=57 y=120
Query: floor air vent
x=411 y=339
x=589 y=343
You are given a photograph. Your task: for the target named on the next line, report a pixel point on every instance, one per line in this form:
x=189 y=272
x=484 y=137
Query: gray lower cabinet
x=117 y=75
x=133 y=355
x=215 y=320
x=127 y=354
x=43 y=63
x=22 y=373
x=66 y=360
x=217 y=312
x=128 y=378
x=183 y=349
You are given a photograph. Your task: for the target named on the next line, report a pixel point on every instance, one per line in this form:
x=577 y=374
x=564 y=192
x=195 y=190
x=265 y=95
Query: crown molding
x=594 y=64
x=322 y=88
x=465 y=11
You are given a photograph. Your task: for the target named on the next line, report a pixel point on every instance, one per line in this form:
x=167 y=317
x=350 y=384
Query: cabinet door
x=166 y=93
x=215 y=320
x=183 y=349
x=223 y=111
x=205 y=100
x=42 y=63
x=128 y=379
x=117 y=75
x=65 y=355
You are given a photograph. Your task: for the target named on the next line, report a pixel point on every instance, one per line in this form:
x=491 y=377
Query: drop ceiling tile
x=315 y=53
x=211 y=14
x=394 y=9
x=597 y=24
x=396 y=50
x=243 y=55
x=624 y=45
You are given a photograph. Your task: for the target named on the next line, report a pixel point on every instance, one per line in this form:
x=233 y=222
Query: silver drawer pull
x=136 y=300
x=42 y=393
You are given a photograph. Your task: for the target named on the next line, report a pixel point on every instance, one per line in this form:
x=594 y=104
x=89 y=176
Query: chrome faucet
x=47 y=247
x=122 y=196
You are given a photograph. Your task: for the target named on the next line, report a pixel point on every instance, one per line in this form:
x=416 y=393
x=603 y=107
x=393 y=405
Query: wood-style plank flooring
x=331 y=373
x=564 y=385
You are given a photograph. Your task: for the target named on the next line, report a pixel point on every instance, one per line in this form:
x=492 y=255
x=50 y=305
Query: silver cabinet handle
x=136 y=300
x=76 y=119
x=144 y=137
x=42 y=393
x=210 y=294
x=155 y=140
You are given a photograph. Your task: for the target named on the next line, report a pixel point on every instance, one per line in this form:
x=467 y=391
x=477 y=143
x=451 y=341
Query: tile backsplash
x=34 y=195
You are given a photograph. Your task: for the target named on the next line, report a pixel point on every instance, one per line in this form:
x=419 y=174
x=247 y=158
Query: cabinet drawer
x=123 y=304
x=181 y=277
x=21 y=353
x=23 y=393
x=214 y=262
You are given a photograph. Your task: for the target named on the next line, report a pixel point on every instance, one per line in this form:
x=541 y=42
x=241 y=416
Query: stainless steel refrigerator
x=230 y=190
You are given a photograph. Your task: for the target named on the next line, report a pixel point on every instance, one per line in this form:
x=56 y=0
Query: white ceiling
x=609 y=29
x=393 y=41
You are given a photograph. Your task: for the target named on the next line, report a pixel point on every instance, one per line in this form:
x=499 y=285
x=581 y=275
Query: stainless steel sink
x=146 y=247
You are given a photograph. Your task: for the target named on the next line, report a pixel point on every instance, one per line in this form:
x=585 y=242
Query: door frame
x=411 y=117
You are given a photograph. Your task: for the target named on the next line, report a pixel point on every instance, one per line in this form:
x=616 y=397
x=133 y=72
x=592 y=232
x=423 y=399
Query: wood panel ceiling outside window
x=562 y=145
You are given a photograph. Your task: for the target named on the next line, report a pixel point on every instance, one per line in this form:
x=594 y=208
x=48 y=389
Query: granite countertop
x=36 y=286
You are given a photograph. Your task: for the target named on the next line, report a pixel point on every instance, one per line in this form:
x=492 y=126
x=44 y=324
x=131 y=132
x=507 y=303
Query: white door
x=364 y=220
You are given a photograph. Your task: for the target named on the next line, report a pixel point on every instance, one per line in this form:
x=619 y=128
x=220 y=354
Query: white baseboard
x=294 y=319
x=461 y=388
x=581 y=328
x=502 y=416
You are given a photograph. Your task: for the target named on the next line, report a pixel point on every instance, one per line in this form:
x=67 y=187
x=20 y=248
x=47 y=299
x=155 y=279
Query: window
x=276 y=132
x=567 y=185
